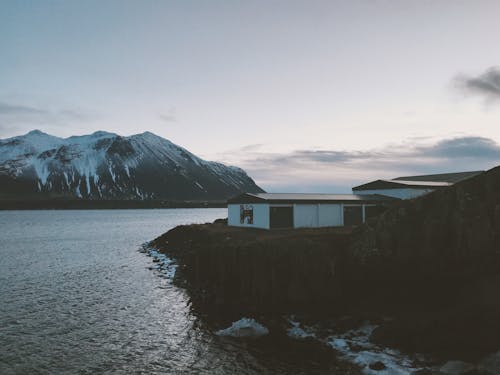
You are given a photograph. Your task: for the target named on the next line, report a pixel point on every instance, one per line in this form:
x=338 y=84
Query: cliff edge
x=433 y=263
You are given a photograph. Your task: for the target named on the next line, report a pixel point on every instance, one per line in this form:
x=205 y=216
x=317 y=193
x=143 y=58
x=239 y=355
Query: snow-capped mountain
x=108 y=166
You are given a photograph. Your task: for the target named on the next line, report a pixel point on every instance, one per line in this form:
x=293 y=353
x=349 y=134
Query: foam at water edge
x=245 y=327
x=355 y=347
x=163 y=263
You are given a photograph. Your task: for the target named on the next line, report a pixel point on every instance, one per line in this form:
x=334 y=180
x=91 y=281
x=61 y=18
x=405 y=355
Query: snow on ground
x=245 y=327
x=355 y=347
x=296 y=332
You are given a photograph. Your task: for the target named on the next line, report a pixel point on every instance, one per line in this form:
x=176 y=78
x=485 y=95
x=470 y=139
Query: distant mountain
x=108 y=166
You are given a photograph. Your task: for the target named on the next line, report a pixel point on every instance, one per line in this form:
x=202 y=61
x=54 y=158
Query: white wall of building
x=330 y=215
x=260 y=215
x=404 y=193
x=317 y=215
x=305 y=215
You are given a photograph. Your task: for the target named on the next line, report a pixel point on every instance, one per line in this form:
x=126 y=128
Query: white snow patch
x=110 y=169
x=245 y=327
x=42 y=170
x=296 y=332
x=138 y=192
x=355 y=346
x=87 y=181
x=66 y=178
x=77 y=191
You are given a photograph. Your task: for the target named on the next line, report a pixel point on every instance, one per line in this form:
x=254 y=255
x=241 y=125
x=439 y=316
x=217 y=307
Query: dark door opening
x=281 y=217
x=353 y=215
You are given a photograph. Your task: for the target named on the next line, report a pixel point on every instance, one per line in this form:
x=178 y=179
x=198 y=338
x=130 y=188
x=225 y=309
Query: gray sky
x=305 y=95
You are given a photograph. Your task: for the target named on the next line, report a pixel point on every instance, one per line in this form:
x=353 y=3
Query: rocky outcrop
x=249 y=271
x=460 y=221
x=433 y=263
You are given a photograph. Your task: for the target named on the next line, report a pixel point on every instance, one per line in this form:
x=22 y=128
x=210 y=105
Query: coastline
x=425 y=274
x=336 y=297
x=81 y=204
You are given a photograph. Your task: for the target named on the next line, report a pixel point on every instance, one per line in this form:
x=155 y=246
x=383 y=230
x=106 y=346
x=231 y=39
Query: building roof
x=432 y=181
x=451 y=178
x=286 y=198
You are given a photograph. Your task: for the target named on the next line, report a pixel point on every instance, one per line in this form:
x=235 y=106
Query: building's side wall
x=260 y=215
x=330 y=215
x=396 y=193
x=305 y=215
x=317 y=215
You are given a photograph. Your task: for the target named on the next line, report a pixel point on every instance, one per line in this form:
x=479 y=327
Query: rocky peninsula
x=431 y=264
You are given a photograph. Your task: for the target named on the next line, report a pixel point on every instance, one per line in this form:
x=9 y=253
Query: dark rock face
x=477 y=372
x=454 y=223
x=256 y=271
x=464 y=333
x=377 y=366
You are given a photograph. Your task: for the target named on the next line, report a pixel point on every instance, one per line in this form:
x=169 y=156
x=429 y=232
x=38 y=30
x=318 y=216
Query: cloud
x=251 y=148
x=337 y=171
x=74 y=115
x=466 y=147
x=169 y=116
x=15 y=109
x=486 y=84
x=19 y=118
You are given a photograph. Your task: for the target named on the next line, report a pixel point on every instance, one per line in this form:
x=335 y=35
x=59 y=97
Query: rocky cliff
x=257 y=271
x=432 y=262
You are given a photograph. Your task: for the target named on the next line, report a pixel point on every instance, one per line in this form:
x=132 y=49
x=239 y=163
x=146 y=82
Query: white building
x=270 y=211
x=412 y=186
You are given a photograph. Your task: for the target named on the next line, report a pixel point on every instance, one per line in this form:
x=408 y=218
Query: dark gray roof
x=431 y=181
x=308 y=198
x=441 y=177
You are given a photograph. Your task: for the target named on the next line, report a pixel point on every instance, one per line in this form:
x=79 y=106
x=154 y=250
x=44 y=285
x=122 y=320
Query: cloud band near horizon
x=337 y=171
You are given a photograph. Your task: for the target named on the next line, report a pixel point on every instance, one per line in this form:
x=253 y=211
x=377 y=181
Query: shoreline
x=305 y=351
x=104 y=204
x=231 y=273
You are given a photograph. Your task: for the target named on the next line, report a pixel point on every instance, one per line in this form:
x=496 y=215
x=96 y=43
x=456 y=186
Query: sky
x=306 y=96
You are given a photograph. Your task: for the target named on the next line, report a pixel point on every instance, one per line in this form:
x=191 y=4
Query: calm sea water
x=76 y=296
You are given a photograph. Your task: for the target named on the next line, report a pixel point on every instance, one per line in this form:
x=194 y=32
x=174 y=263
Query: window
x=246 y=214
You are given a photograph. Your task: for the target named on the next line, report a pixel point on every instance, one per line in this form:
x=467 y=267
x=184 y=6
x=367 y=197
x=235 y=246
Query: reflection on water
x=76 y=296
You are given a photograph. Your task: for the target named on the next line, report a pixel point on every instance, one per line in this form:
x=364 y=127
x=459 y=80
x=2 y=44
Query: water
x=76 y=296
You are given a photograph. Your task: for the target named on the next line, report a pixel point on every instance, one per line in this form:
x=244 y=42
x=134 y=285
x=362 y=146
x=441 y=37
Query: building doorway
x=281 y=217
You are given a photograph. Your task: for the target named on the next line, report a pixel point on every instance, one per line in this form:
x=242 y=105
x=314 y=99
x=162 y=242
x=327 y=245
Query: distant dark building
x=412 y=186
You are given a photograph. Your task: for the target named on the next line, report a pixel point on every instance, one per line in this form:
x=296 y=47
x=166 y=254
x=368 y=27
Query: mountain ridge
x=105 y=165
